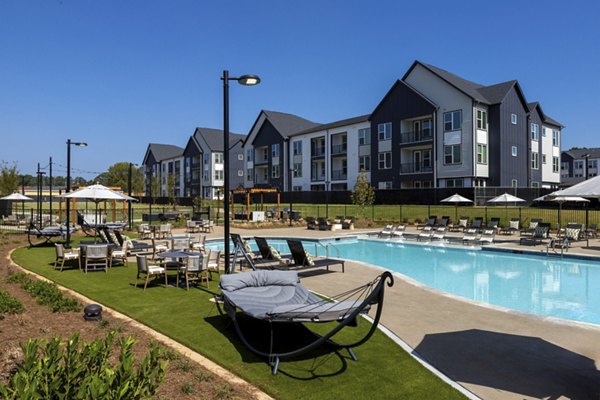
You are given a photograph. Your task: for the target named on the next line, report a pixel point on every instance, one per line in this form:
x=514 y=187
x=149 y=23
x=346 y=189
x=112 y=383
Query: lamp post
x=129 y=193
x=292 y=171
x=586 y=156
x=68 y=208
x=247 y=80
x=327 y=199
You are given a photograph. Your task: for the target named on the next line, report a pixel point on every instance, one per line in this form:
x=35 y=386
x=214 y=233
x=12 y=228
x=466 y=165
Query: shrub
x=9 y=304
x=46 y=293
x=73 y=370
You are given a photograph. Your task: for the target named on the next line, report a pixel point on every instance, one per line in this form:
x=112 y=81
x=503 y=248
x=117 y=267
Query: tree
x=9 y=178
x=118 y=176
x=171 y=190
x=363 y=194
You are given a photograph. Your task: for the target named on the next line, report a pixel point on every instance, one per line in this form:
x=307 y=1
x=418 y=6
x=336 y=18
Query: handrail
x=335 y=247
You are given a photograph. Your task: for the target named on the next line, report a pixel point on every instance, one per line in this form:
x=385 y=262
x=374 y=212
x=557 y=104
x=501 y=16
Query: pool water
x=548 y=286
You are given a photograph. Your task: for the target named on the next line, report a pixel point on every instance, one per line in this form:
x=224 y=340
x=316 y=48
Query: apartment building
x=204 y=167
x=160 y=162
x=578 y=165
x=267 y=150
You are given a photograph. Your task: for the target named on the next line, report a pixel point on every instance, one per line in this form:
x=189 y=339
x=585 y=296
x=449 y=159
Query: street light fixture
x=247 y=80
x=129 y=215
x=69 y=144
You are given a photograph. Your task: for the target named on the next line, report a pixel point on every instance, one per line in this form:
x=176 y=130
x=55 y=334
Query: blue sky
x=122 y=74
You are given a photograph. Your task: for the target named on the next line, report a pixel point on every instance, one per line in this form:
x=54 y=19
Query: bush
x=9 y=304
x=46 y=293
x=73 y=370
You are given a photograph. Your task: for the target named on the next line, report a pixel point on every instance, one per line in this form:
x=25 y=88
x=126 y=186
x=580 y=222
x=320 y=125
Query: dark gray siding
x=267 y=136
x=535 y=174
x=512 y=135
x=495 y=145
x=400 y=103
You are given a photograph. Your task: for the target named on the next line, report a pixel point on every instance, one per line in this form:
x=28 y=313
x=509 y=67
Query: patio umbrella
x=16 y=196
x=588 y=188
x=505 y=198
x=456 y=198
x=560 y=199
x=97 y=193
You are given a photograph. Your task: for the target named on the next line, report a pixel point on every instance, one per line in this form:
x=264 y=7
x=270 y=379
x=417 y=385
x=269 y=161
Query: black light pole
x=586 y=156
x=68 y=208
x=327 y=199
x=247 y=80
x=129 y=193
x=292 y=170
x=50 y=194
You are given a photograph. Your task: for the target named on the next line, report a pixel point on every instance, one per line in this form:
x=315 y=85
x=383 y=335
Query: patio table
x=178 y=255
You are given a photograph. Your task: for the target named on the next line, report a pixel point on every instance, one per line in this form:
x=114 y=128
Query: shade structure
x=97 y=193
x=456 y=198
x=16 y=197
x=506 y=198
x=588 y=188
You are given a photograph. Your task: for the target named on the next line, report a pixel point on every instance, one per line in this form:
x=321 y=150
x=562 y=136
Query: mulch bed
x=185 y=379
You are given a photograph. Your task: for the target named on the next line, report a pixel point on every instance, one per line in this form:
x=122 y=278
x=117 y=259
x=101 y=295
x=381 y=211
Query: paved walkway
x=493 y=353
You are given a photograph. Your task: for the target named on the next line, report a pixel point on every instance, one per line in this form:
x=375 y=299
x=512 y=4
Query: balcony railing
x=416 y=136
x=317 y=178
x=416 y=168
x=319 y=152
x=337 y=149
x=339 y=175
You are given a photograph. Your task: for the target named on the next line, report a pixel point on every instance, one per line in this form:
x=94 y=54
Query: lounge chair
x=302 y=259
x=324 y=224
x=493 y=223
x=463 y=223
x=386 y=231
x=398 y=232
x=439 y=233
x=134 y=246
x=531 y=229
x=540 y=233
x=444 y=221
x=487 y=236
x=477 y=223
x=348 y=223
x=311 y=223
x=278 y=296
x=470 y=236
x=425 y=234
x=269 y=253
x=431 y=221
x=514 y=225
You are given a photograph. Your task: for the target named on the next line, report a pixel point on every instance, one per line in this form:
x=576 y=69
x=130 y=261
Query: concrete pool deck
x=493 y=353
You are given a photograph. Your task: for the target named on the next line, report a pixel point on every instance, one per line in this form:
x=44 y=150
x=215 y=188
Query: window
x=452 y=120
x=240 y=157
x=452 y=154
x=385 y=185
x=364 y=136
x=513 y=119
x=275 y=171
x=544 y=131
x=297 y=148
x=250 y=155
x=385 y=160
x=554 y=164
x=543 y=159
x=275 y=150
x=218 y=175
x=535 y=184
x=578 y=164
x=296 y=188
x=364 y=163
x=535 y=132
x=535 y=160
x=482 y=120
x=385 y=131
x=218 y=158
x=554 y=137
x=513 y=151
x=593 y=164
x=482 y=153
x=297 y=171
x=453 y=183
x=240 y=172
x=513 y=183
x=249 y=174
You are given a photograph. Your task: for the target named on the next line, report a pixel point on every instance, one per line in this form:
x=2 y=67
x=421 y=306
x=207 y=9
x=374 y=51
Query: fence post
x=486 y=217
x=401 y=219
x=372 y=213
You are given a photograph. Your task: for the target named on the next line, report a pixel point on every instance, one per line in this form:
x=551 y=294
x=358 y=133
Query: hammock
x=44 y=236
x=278 y=296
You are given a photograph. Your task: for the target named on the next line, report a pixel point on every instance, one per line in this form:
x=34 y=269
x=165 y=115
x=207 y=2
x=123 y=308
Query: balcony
x=416 y=168
x=338 y=175
x=318 y=152
x=317 y=178
x=339 y=149
x=416 y=136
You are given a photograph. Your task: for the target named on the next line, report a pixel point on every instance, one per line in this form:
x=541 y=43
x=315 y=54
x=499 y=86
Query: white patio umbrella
x=506 y=198
x=588 y=188
x=97 y=193
x=560 y=199
x=456 y=198
x=16 y=196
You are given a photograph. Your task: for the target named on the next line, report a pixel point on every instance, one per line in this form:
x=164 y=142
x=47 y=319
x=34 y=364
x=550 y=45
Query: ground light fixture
x=246 y=80
x=69 y=144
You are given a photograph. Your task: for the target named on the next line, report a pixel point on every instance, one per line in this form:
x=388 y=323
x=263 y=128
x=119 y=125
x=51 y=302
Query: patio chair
x=192 y=226
x=572 y=233
x=302 y=258
x=425 y=234
x=540 y=233
x=214 y=261
x=487 y=236
x=158 y=247
x=63 y=256
x=470 y=236
x=592 y=231
x=311 y=223
x=120 y=254
x=463 y=223
x=164 y=231
x=398 y=232
x=348 y=223
x=431 y=221
x=386 y=231
x=444 y=221
x=278 y=296
x=149 y=270
x=439 y=233
x=324 y=224
x=531 y=229
x=180 y=244
x=514 y=225
x=144 y=231
x=195 y=269
x=493 y=223
x=477 y=223
x=198 y=245
x=96 y=256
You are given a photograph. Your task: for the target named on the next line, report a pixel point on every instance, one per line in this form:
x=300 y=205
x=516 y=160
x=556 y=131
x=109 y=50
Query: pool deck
x=493 y=353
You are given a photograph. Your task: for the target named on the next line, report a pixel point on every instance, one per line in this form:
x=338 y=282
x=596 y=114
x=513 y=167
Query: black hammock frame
x=369 y=294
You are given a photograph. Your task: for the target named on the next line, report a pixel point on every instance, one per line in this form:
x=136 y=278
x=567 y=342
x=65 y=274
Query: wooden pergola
x=250 y=191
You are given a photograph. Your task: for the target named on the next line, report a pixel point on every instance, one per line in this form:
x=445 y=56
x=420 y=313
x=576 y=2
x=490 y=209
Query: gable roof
x=163 y=151
x=288 y=124
x=490 y=95
x=578 y=154
x=402 y=82
x=336 y=124
x=214 y=138
x=545 y=119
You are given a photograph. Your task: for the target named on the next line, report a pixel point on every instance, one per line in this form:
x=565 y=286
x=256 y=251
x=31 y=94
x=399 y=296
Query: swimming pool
x=547 y=286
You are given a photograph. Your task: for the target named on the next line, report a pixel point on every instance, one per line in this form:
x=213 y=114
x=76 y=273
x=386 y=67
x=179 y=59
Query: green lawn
x=382 y=371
